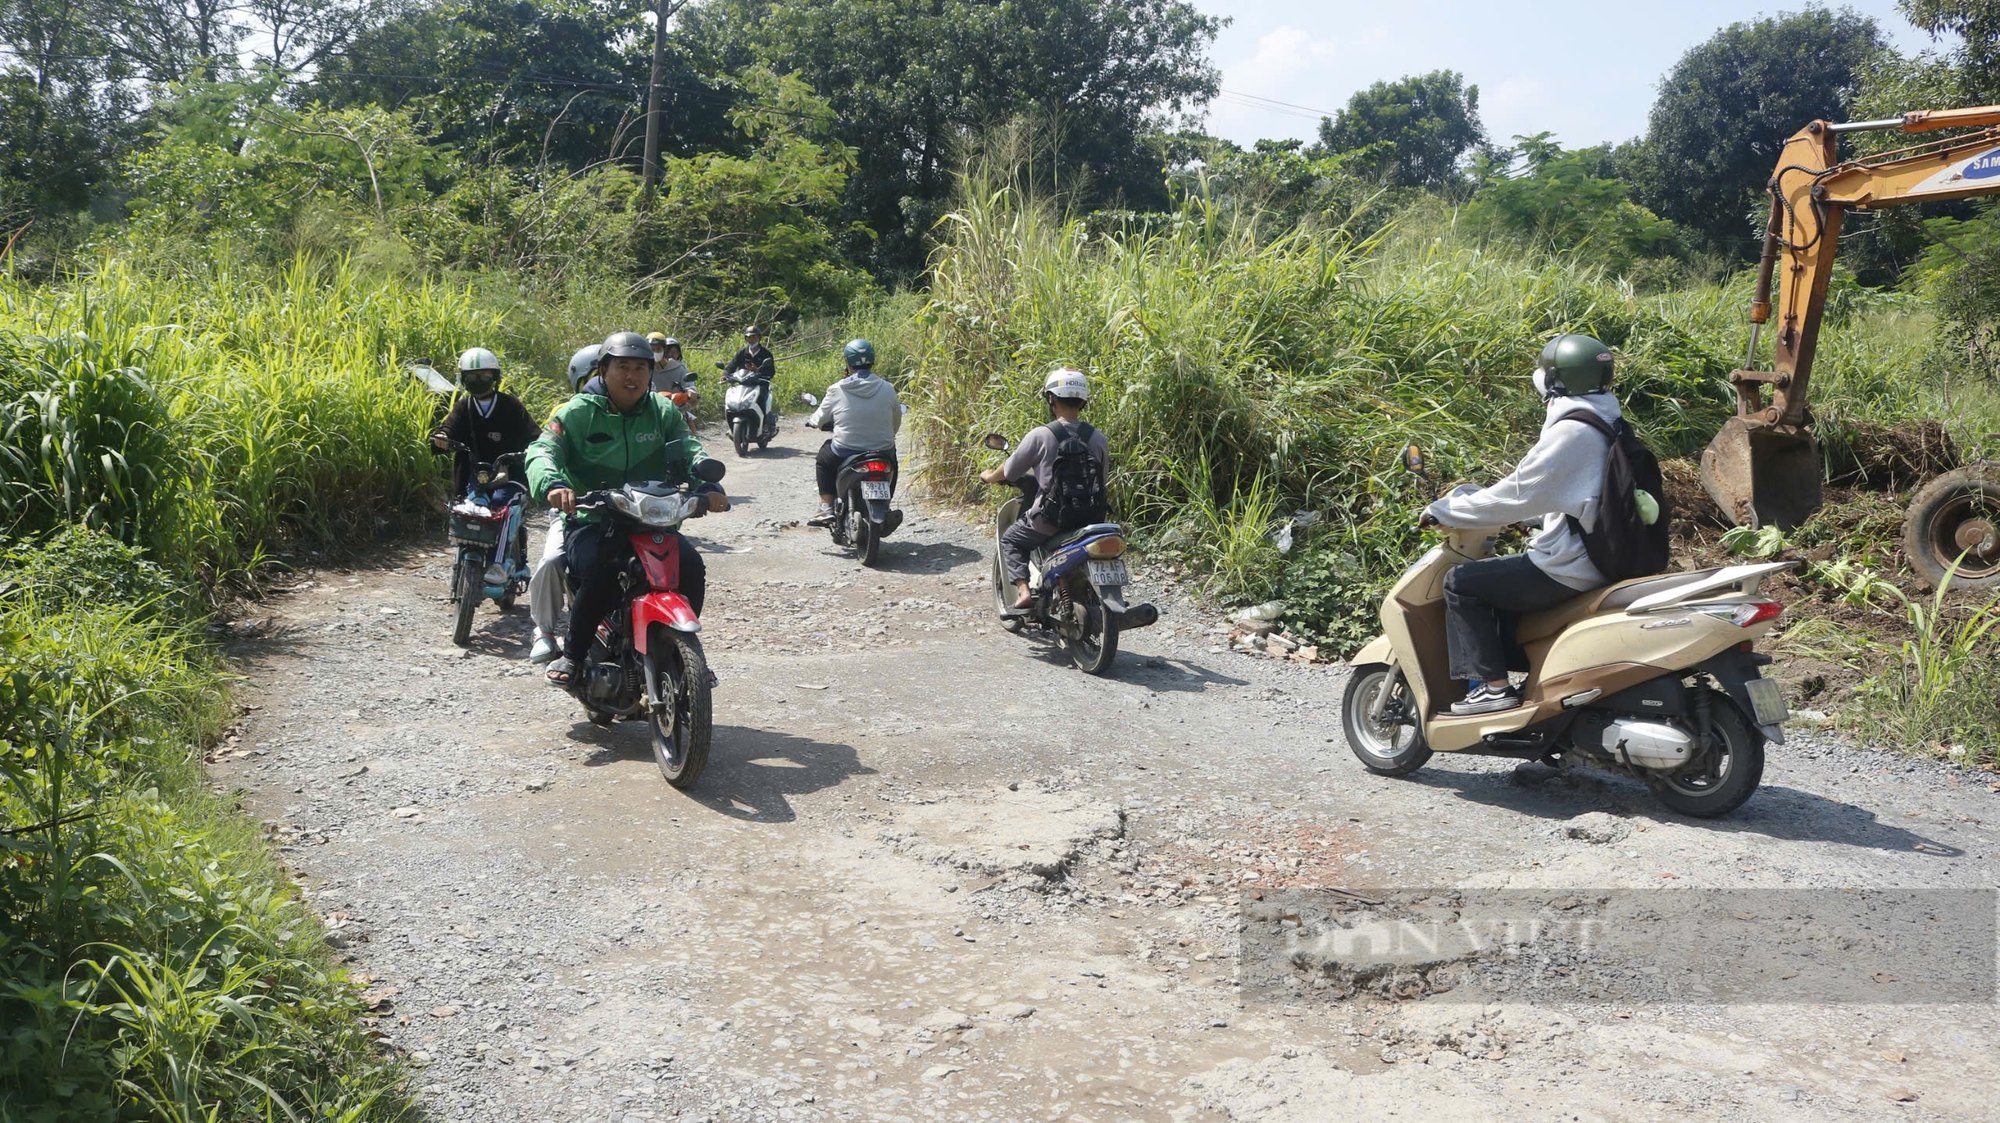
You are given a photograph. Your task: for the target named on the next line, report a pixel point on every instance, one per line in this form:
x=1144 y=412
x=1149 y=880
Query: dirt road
x=932 y=872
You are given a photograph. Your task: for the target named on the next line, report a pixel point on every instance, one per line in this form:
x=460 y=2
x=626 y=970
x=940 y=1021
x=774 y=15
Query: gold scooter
x=1655 y=677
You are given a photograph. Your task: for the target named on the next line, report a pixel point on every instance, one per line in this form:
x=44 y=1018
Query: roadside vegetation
x=220 y=251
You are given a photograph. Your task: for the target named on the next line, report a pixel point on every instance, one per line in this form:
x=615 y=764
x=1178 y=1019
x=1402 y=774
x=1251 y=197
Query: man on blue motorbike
x=1070 y=461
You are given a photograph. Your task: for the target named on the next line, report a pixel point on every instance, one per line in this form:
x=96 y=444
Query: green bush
x=78 y=565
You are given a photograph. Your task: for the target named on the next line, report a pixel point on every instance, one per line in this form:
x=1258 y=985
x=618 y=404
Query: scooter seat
x=1069 y=536
x=1611 y=598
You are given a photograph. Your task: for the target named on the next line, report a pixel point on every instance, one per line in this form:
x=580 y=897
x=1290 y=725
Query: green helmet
x=1573 y=364
x=859 y=354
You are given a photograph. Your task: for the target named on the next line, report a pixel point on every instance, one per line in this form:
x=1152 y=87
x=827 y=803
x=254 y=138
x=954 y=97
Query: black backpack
x=1621 y=544
x=1076 y=494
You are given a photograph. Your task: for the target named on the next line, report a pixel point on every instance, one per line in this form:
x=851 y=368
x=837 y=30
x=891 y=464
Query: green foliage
x=221 y=416
x=1758 y=542
x=1331 y=598
x=1726 y=105
x=909 y=80
x=1415 y=131
x=1944 y=688
x=1556 y=202
x=1959 y=274
x=1280 y=189
x=77 y=565
x=152 y=965
x=1221 y=358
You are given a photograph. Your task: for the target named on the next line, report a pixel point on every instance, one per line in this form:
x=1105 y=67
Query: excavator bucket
x=1763 y=475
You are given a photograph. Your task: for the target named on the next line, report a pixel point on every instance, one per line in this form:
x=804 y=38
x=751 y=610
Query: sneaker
x=1486 y=700
x=544 y=650
x=497 y=576
x=823 y=518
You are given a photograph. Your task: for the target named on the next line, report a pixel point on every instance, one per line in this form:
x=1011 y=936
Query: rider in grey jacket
x=865 y=415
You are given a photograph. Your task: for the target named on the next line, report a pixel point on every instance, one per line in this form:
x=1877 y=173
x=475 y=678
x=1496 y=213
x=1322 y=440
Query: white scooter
x=744 y=409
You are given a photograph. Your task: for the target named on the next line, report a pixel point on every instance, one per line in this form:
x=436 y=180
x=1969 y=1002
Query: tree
x=1976 y=26
x=1416 y=129
x=530 y=81
x=1726 y=107
x=911 y=82
x=1559 y=200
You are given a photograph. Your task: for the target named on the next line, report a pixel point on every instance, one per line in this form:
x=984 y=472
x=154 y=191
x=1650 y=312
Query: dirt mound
x=1688 y=502
x=1889 y=457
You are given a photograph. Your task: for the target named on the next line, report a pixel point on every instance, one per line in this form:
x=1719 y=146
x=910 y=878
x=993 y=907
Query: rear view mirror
x=722 y=366
x=808 y=399
x=710 y=471
x=997 y=443
x=1413 y=460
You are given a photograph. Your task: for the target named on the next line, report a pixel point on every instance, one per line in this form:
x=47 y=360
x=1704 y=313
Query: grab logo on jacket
x=642 y=438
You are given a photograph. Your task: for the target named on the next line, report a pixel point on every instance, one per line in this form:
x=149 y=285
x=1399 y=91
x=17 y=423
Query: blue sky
x=1586 y=71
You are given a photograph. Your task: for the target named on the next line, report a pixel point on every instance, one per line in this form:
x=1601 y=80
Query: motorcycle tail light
x=1743 y=614
x=1109 y=546
x=874 y=466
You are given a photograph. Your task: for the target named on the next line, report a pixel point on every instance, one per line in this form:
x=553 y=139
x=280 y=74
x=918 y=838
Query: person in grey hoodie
x=865 y=415
x=1561 y=479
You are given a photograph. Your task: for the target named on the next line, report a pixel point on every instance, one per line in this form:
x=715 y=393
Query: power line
x=1263 y=102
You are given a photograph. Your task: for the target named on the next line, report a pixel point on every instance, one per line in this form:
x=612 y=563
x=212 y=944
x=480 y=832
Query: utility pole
x=652 y=170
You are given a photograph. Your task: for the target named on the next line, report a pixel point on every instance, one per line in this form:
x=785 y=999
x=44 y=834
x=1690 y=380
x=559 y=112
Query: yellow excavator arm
x=1764 y=467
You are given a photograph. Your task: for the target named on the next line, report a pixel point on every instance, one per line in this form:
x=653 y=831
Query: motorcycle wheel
x=1095 y=645
x=1384 y=748
x=739 y=435
x=677 y=671
x=470 y=575
x=1719 y=783
x=861 y=533
x=1003 y=599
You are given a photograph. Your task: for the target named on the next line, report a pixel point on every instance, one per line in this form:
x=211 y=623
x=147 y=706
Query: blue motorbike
x=1077 y=581
x=486 y=526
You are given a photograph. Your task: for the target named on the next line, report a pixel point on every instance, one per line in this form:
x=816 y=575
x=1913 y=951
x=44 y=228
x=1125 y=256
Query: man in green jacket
x=625 y=435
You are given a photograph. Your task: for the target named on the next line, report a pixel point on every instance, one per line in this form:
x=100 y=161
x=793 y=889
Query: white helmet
x=478 y=358
x=1067 y=382
x=582 y=365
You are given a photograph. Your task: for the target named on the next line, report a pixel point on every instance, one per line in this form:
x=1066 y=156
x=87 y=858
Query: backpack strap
x=1590 y=418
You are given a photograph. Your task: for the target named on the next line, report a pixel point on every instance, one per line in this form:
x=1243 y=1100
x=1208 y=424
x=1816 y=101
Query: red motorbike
x=646 y=661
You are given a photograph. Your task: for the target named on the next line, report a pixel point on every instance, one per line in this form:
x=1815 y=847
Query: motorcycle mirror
x=722 y=366
x=710 y=471
x=997 y=443
x=1413 y=460
x=808 y=399
x=905 y=405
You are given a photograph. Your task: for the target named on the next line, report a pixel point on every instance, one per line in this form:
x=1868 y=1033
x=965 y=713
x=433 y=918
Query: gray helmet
x=582 y=364
x=752 y=330
x=1574 y=364
x=625 y=345
x=859 y=354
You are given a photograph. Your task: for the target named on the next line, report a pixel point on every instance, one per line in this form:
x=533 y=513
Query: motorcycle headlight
x=623 y=502
x=660 y=510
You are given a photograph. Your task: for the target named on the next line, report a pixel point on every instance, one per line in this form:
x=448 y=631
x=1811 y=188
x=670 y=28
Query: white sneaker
x=545 y=649
x=496 y=575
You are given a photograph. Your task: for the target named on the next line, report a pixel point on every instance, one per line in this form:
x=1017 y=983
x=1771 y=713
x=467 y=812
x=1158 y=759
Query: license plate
x=1107 y=573
x=874 y=489
x=1768 y=699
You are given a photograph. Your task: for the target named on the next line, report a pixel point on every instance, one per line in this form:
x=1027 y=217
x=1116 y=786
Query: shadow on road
x=1773 y=812
x=751 y=772
x=924 y=557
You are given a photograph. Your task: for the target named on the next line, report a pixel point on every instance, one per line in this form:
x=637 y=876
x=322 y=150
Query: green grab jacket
x=588 y=445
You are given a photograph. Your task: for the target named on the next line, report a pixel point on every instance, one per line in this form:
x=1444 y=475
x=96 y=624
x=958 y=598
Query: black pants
x=1016 y=543
x=596 y=555
x=1484 y=597
x=826 y=466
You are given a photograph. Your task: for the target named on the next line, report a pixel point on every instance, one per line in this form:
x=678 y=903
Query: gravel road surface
x=933 y=872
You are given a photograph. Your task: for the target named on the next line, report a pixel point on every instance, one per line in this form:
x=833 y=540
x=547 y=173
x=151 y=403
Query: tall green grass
x=1228 y=365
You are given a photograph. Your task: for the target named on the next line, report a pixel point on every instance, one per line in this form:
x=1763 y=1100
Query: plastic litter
x=1259 y=613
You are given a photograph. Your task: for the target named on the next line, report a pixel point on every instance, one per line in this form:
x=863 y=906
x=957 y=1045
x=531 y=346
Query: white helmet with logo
x=478 y=358
x=1067 y=382
x=582 y=365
